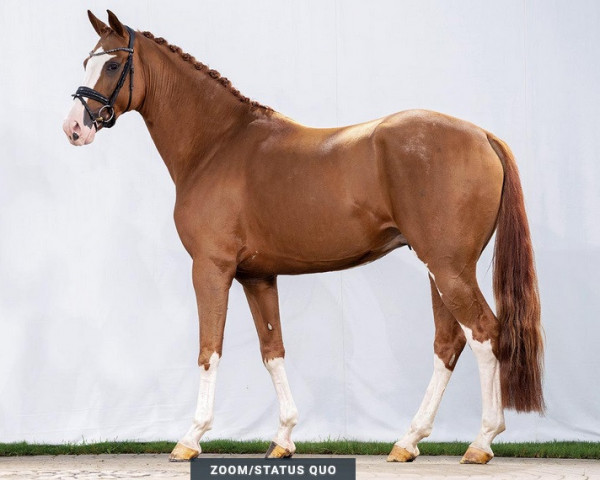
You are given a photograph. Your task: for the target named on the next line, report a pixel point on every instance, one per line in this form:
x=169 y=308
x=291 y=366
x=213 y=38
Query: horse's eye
x=112 y=66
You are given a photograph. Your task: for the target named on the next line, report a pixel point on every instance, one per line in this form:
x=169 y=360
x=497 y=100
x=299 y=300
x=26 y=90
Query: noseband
x=107 y=108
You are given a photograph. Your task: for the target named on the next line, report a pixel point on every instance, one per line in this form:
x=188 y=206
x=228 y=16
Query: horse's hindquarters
x=444 y=182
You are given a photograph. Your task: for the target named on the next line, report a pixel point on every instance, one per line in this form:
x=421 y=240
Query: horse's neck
x=188 y=113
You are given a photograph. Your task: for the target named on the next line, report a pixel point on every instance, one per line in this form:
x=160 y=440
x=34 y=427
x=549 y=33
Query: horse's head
x=108 y=86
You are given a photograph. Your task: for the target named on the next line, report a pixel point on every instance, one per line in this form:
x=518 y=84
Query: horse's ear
x=116 y=24
x=100 y=27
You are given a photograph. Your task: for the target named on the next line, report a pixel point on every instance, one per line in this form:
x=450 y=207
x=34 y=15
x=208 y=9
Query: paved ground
x=368 y=467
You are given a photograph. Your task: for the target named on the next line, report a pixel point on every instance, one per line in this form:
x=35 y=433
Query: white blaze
x=94 y=66
x=93 y=70
x=74 y=123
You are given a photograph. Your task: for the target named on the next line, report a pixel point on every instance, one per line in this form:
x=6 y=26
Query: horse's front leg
x=211 y=283
x=264 y=305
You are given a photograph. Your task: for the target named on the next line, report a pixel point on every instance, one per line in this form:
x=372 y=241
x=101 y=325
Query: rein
x=108 y=103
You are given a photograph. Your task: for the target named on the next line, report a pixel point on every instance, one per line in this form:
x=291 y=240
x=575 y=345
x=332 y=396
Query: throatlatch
x=105 y=116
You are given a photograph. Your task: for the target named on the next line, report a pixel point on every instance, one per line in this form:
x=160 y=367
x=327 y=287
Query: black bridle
x=105 y=117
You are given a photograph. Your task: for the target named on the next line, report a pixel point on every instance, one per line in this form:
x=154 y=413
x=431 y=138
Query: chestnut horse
x=258 y=195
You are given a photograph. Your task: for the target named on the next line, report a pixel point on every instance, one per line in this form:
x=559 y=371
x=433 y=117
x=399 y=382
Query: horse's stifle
x=258 y=195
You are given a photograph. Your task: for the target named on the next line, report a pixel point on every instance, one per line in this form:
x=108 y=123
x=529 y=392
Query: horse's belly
x=333 y=249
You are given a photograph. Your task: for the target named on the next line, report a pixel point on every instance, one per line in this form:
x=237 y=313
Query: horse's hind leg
x=447 y=347
x=461 y=295
x=264 y=305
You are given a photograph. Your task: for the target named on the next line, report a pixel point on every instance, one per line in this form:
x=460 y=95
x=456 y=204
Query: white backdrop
x=98 y=329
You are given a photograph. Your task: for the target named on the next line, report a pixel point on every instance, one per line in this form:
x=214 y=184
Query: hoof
x=476 y=456
x=181 y=453
x=277 y=451
x=399 y=454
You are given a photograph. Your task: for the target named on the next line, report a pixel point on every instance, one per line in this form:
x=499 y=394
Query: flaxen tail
x=521 y=347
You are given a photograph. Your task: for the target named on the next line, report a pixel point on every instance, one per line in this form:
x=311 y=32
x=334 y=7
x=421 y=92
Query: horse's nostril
x=75 y=136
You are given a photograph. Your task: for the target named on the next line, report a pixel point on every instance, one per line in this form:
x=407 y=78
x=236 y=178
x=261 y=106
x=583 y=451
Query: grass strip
x=556 y=449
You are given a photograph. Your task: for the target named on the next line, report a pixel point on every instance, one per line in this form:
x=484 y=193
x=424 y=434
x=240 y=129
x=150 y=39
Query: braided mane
x=209 y=71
